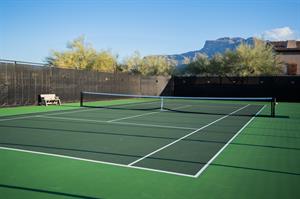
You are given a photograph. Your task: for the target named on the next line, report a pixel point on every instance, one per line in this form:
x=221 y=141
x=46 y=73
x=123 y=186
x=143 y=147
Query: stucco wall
x=291 y=58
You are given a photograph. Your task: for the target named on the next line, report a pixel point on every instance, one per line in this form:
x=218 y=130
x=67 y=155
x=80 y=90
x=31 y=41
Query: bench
x=46 y=99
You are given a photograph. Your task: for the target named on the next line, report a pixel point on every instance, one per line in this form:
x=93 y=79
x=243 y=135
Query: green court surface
x=207 y=150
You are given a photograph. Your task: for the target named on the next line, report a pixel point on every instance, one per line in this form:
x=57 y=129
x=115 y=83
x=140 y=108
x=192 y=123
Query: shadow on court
x=47 y=191
x=57 y=150
x=223 y=114
x=88 y=132
x=256 y=169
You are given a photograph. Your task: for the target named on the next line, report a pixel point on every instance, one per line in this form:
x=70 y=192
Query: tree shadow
x=256 y=169
x=223 y=165
x=265 y=135
x=88 y=132
x=242 y=144
x=57 y=150
x=47 y=191
x=223 y=114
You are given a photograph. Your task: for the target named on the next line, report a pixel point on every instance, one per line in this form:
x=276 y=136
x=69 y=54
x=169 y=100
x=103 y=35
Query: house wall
x=291 y=58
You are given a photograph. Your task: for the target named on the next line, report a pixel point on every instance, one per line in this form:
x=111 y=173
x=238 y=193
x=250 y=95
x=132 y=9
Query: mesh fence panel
x=284 y=88
x=11 y=81
x=21 y=83
x=3 y=84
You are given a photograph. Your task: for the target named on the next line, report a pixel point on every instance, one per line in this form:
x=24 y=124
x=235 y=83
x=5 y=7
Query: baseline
x=94 y=161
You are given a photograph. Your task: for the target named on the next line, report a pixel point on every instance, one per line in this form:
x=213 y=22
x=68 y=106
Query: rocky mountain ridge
x=210 y=48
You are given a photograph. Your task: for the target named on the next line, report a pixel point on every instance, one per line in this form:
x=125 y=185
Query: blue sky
x=30 y=29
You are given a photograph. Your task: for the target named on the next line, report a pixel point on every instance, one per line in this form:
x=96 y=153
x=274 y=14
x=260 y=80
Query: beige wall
x=291 y=59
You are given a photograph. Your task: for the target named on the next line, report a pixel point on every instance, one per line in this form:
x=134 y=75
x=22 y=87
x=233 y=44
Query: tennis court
x=181 y=139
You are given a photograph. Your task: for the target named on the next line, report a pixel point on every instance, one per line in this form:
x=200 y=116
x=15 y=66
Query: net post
x=81 y=99
x=161 y=104
x=273 y=105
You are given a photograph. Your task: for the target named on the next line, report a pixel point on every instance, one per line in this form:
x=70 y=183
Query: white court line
x=56 y=112
x=94 y=161
x=16 y=118
x=124 y=118
x=38 y=115
x=216 y=155
x=122 y=123
x=161 y=171
x=134 y=116
x=63 y=112
x=155 y=125
x=199 y=129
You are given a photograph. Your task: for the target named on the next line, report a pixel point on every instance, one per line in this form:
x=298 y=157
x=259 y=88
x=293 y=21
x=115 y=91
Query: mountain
x=211 y=47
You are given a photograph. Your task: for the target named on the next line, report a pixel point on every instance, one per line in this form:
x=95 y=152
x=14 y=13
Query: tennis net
x=196 y=105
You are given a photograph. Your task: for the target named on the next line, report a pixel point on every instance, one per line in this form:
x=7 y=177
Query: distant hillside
x=211 y=47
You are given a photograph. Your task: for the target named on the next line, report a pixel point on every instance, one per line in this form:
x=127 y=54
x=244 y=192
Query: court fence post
x=273 y=105
x=81 y=99
x=161 y=104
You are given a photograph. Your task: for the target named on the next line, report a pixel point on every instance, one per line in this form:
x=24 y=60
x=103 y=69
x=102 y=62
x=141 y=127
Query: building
x=289 y=54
